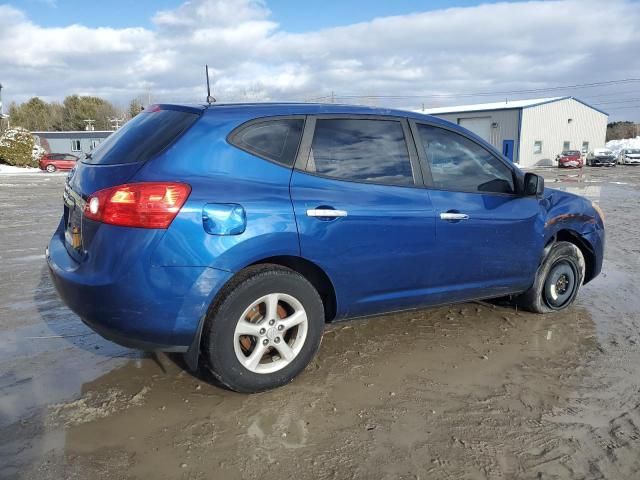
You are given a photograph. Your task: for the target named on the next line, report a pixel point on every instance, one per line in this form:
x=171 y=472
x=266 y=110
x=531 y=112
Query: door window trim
x=307 y=139
x=231 y=137
x=424 y=161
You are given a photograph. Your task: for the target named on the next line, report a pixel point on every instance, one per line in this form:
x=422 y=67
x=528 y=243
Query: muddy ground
x=471 y=391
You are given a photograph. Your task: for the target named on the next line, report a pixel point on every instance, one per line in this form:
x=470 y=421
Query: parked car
x=601 y=157
x=233 y=233
x=57 y=161
x=569 y=159
x=629 y=156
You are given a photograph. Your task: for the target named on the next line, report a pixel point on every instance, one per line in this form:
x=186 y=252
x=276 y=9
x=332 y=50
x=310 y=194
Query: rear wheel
x=557 y=280
x=51 y=168
x=265 y=329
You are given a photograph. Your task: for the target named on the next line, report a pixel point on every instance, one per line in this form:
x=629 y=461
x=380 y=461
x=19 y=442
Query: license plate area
x=73 y=209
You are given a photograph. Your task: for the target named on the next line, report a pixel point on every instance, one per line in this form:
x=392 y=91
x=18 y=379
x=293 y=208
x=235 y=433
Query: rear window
x=142 y=138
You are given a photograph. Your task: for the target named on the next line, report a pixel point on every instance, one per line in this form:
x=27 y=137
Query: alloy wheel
x=270 y=333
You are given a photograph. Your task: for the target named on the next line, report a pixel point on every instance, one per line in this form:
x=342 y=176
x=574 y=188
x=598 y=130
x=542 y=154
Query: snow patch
x=617 y=145
x=10 y=169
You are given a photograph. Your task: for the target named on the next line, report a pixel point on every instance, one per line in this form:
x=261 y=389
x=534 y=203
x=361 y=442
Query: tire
x=50 y=168
x=557 y=281
x=243 y=307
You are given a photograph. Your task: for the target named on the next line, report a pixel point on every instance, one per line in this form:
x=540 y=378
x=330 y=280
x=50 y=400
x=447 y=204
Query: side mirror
x=533 y=184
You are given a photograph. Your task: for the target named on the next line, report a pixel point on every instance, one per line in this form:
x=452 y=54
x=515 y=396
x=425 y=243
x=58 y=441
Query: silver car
x=629 y=156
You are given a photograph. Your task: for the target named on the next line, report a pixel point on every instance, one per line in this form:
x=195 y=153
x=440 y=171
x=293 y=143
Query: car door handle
x=326 y=213
x=451 y=216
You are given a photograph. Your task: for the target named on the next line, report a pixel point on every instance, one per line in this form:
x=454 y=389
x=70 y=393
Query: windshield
x=570 y=153
x=142 y=137
x=632 y=150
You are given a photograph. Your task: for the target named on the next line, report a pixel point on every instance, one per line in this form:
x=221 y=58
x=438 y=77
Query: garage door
x=481 y=126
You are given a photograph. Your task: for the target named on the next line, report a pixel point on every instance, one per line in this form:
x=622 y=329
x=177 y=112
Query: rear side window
x=142 y=137
x=459 y=164
x=276 y=139
x=361 y=150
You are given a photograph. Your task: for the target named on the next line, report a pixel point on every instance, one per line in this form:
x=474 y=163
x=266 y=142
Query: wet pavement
x=471 y=391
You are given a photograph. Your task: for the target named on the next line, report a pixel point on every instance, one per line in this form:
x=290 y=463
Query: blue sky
x=293 y=16
x=396 y=53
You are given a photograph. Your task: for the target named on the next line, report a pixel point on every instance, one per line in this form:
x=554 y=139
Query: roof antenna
x=210 y=99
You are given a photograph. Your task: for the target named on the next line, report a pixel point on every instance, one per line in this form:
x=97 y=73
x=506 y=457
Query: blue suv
x=233 y=233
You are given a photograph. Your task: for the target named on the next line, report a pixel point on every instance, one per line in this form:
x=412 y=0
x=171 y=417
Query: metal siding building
x=532 y=132
x=76 y=143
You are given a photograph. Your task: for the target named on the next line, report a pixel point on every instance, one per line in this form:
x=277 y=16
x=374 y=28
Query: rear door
x=490 y=236
x=362 y=212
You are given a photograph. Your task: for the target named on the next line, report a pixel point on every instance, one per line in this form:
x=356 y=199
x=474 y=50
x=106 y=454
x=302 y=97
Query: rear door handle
x=450 y=216
x=326 y=213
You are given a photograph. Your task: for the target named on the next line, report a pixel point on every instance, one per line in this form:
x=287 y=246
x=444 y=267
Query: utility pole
x=116 y=122
x=2 y=115
x=333 y=97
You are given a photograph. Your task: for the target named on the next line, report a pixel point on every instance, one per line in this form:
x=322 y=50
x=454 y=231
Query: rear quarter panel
x=221 y=173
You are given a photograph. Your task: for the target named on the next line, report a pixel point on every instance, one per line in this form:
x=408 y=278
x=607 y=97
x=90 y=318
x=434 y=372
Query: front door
x=507 y=149
x=362 y=213
x=491 y=236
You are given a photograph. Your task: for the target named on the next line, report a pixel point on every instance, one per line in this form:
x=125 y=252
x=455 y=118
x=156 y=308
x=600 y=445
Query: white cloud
x=502 y=46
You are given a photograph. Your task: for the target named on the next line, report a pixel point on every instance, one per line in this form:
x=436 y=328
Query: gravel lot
x=471 y=391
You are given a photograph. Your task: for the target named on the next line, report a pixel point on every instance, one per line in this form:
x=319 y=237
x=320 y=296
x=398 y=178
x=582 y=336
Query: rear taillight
x=142 y=205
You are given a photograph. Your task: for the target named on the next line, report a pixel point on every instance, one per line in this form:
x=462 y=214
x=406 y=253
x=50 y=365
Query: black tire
x=51 y=168
x=219 y=331
x=557 y=281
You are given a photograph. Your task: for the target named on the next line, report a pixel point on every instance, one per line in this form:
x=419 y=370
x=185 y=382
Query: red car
x=570 y=159
x=57 y=161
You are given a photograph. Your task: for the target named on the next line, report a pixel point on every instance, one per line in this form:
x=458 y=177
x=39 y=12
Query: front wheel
x=557 y=280
x=264 y=330
x=51 y=168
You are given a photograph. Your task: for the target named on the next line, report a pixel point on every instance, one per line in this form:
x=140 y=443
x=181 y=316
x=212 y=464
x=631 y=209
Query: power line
x=487 y=93
x=625 y=100
x=606 y=95
x=622 y=107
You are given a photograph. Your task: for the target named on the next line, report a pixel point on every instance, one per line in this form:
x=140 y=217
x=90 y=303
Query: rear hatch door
x=115 y=162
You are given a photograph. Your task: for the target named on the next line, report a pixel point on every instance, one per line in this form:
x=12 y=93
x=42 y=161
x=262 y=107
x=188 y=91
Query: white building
x=532 y=132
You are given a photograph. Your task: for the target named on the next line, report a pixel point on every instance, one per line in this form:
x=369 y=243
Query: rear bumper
x=143 y=306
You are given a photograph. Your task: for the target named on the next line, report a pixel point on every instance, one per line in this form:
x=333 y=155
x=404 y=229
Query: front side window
x=361 y=150
x=275 y=140
x=537 y=147
x=75 y=145
x=459 y=164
